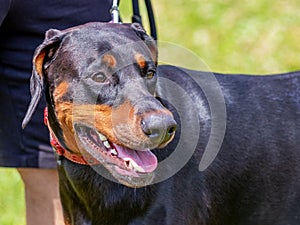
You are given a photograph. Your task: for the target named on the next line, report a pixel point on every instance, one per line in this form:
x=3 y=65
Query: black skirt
x=22 y=28
x=19 y=147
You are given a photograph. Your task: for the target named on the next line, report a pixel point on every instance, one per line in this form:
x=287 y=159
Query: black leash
x=151 y=18
x=136 y=18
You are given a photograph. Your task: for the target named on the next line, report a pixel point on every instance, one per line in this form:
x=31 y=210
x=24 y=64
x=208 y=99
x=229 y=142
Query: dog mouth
x=130 y=167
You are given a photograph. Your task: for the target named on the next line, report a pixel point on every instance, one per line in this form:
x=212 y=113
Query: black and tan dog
x=106 y=109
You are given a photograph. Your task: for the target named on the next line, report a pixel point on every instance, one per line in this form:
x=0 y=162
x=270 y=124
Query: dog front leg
x=73 y=211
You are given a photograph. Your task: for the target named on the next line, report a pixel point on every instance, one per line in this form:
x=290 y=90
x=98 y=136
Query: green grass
x=234 y=36
x=12 y=207
x=228 y=35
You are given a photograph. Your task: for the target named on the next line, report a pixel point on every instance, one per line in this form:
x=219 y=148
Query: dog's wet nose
x=159 y=128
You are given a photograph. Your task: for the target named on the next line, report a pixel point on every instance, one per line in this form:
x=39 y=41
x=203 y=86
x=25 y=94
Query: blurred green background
x=255 y=37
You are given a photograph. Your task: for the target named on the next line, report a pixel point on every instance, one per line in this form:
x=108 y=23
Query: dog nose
x=159 y=128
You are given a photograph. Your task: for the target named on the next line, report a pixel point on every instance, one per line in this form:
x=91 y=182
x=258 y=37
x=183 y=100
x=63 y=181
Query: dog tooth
x=130 y=166
x=133 y=165
x=106 y=144
x=137 y=168
x=102 y=137
x=113 y=152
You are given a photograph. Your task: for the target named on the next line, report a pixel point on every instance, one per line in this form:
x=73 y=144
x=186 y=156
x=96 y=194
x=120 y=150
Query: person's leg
x=42 y=196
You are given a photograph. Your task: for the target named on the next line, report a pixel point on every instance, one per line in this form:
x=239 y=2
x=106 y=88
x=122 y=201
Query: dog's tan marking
x=140 y=59
x=65 y=118
x=38 y=63
x=99 y=116
x=120 y=125
x=67 y=220
x=60 y=90
x=127 y=126
x=109 y=60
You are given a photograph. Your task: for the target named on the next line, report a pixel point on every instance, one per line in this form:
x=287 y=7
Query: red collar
x=59 y=150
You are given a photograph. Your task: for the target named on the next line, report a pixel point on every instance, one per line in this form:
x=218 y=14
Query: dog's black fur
x=254 y=180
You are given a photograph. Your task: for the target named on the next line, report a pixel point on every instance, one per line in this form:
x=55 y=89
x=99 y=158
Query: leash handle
x=151 y=19
x=136 y=18
x=115 y=14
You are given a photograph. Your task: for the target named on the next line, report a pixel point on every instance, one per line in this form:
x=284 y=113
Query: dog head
x=100 y=82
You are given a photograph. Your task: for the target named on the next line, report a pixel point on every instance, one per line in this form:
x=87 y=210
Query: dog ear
x=43 y=56
x=150 y=42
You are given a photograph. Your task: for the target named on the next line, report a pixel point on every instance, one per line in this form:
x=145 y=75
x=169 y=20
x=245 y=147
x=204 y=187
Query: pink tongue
x=144 y=159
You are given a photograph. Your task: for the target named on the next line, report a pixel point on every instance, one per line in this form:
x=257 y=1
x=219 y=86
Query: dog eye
x=150 y=74
x=99 y=77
